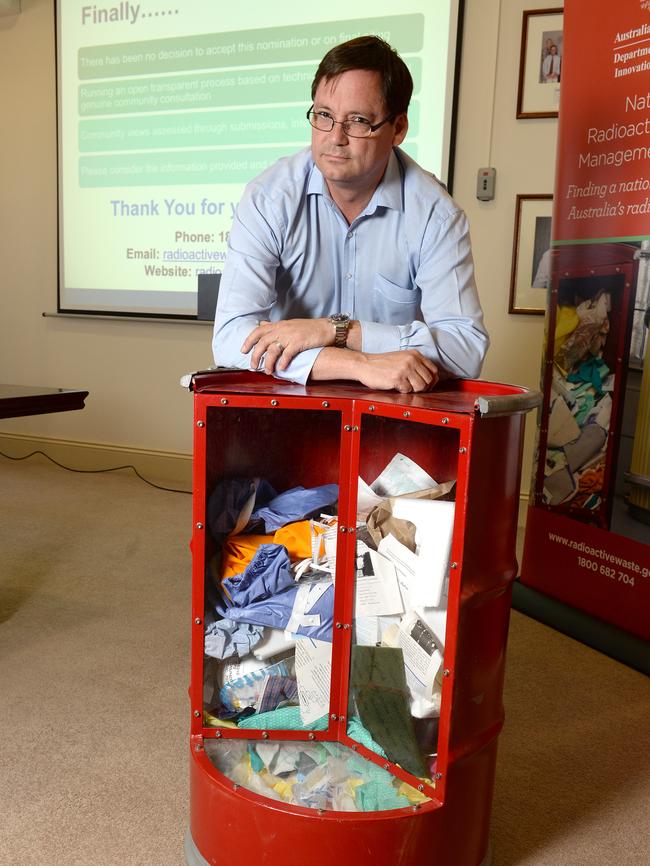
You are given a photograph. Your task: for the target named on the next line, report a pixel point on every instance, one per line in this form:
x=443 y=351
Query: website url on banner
x=599 y=553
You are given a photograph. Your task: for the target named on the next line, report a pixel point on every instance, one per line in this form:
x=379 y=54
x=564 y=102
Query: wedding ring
x=280 y=345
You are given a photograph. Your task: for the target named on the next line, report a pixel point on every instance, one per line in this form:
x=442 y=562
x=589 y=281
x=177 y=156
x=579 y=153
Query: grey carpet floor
x=94 y=669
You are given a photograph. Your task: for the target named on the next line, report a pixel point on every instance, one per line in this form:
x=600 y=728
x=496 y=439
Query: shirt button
x=348 y=276
x=350 y=234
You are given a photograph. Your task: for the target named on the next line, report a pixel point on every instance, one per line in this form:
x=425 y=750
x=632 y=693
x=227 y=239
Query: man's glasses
x=324 y=122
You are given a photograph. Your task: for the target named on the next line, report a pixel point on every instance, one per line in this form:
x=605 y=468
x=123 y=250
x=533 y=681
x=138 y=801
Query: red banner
x=602 y=187
x=588 y=529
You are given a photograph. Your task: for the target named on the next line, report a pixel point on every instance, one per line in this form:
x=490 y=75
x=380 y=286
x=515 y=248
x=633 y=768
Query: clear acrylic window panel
x=316 y=775
x=401 y=594
x=255 y=687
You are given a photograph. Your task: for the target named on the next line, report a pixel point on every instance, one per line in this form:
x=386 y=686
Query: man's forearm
x=404 y=371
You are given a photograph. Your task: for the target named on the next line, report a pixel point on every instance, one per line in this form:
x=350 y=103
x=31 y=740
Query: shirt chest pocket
x=393 y=304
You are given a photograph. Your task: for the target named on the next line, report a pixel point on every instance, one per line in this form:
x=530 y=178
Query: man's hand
x=279 y=342
x=404 y=371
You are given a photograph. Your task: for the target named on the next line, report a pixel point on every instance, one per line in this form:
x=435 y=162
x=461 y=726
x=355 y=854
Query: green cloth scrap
x=585 y=404
x=378 y=793
x=594 y=371
x=381 y=696
x=257 y=764
x=379 y=797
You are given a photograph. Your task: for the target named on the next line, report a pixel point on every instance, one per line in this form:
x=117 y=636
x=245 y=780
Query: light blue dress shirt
x=403 y=267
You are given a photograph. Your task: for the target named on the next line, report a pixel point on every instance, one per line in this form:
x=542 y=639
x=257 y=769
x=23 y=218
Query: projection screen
x=165 y=112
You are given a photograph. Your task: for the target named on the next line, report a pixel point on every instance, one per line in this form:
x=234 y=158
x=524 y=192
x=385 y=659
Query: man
x=551 y=66
x=347 y=260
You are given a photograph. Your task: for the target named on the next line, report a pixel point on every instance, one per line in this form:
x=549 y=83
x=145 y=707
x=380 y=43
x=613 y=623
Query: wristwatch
x=341 y=322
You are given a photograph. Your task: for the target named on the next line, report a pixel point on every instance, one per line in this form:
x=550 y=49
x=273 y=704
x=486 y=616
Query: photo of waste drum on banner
x=588 y=527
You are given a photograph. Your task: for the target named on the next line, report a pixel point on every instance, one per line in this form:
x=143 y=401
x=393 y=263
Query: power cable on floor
x=94 y=471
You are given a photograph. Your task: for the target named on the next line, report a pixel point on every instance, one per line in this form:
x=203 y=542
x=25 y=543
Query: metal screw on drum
x=197 y=713
x=199 y=526
x=325 y=404
x=274 y=402
x=224 y=402
x=200 y=423
x=197 y=621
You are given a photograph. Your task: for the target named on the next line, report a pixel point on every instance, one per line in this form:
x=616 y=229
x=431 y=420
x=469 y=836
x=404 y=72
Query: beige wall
x=132 y=368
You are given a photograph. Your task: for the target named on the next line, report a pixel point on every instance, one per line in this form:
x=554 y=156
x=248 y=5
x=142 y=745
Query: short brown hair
x=376 y=55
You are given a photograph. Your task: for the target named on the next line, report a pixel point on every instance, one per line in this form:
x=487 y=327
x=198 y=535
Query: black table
x=17 y=400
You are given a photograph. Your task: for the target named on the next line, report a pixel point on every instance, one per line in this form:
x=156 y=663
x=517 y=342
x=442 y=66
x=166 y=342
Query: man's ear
x=401 y=128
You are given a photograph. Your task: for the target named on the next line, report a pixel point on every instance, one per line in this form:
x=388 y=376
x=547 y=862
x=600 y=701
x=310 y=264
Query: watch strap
x=341 y=324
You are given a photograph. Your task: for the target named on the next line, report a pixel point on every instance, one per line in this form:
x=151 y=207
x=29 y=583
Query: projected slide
x=166 y=111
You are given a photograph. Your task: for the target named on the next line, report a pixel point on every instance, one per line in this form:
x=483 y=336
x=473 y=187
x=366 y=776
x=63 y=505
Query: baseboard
x=167 y=468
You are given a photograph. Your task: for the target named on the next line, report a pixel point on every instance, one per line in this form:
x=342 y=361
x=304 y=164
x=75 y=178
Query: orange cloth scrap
x=239 y=550
x=590 y=483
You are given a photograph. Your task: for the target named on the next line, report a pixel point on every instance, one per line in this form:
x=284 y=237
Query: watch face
x=339 y=317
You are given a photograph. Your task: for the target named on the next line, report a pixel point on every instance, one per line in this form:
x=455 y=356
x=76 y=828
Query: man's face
x=354 y=164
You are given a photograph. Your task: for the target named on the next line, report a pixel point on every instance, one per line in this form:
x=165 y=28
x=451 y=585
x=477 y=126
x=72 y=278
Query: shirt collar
x=388 y=193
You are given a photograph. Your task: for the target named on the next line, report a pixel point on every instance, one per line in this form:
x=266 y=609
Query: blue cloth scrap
x=265 y=594
x=268 y=572
x=228 y=498
x=225 y=638
x=278 y=691
x=295 y=504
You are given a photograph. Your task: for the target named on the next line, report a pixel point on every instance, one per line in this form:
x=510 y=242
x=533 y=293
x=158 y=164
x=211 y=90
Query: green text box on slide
x=187 y=167
x=289 y=43
x=203 y=129
x=208 y=90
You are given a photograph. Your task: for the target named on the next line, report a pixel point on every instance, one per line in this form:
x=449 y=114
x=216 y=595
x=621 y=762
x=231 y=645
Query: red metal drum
x=469 y=432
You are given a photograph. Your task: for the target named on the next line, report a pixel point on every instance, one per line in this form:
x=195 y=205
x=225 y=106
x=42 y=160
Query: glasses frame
x=370 y=126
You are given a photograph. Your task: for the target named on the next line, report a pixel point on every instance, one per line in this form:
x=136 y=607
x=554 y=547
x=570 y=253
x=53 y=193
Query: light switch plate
x=485 y=181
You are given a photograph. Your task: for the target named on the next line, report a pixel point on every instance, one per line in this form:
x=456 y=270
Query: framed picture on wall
x=531 y=254
x=540 y=63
